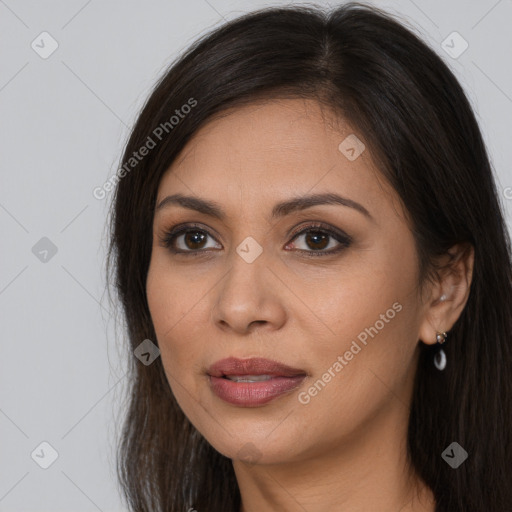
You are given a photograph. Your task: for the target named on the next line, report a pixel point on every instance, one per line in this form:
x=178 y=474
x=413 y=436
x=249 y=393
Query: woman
x=307 y=227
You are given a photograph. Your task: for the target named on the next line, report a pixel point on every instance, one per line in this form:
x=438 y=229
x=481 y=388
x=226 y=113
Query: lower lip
x=253 y=394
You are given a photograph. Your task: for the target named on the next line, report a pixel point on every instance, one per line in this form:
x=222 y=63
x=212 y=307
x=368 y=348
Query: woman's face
x=329 y=290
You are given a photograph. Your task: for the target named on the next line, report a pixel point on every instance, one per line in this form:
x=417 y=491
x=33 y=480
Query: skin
x=346 y=448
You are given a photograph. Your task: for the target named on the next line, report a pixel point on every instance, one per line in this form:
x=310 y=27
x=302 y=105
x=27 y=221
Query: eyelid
x=311 y=225
x=343 y=239
x=170 y=235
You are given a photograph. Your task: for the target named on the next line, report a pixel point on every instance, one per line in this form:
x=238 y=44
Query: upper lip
x=253 y=366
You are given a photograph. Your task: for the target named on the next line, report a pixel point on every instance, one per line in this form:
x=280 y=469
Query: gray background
x=63 y=122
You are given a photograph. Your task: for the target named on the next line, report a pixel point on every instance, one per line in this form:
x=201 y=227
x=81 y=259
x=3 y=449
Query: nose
x=247 y=297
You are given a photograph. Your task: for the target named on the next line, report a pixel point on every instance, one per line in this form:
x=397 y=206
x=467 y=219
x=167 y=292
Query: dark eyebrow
x=213 y=209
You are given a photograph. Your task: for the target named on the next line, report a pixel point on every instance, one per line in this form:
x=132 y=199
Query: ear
x=448 y=294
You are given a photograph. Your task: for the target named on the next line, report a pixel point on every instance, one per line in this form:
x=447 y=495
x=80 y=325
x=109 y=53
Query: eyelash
x=345 y=240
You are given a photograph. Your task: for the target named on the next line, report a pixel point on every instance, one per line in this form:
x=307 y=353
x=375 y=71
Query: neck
x=369 y=471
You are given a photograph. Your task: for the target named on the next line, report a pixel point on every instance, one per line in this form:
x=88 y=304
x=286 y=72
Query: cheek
x=364 y=303
x=173 y=307
x=371 y=321
x=174 y=296
x=361 y=372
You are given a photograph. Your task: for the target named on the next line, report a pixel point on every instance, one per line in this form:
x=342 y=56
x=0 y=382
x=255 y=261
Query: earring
x=440 y=357
x=441 y=337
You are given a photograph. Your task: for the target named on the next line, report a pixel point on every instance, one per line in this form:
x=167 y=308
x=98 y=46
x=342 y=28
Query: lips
x=254 y=366
x=253 y=382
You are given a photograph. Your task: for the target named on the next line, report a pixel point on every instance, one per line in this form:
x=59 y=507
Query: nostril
x=258 y=322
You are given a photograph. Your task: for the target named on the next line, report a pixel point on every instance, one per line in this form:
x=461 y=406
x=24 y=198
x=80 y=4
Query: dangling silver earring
x=440 y=357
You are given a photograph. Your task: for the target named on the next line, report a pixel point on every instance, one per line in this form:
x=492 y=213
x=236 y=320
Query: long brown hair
x=419 y=126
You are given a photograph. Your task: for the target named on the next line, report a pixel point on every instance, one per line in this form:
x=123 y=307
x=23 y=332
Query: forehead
x=276 y=148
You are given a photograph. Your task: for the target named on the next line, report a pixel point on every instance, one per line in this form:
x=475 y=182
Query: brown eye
x=317 y=239
x=187 y=239
x=194 y=239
